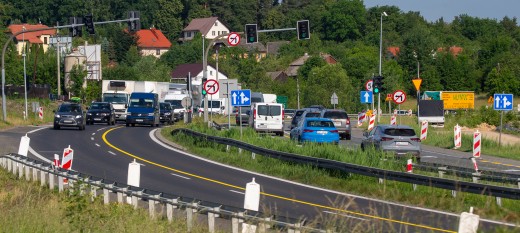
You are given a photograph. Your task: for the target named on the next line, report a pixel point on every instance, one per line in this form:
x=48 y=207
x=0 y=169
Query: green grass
x=16 y=107
x=28 y=207
x=361 y=185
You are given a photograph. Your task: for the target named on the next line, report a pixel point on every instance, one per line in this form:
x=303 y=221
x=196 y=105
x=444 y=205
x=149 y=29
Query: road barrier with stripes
x=454 y=185
x=158 y=203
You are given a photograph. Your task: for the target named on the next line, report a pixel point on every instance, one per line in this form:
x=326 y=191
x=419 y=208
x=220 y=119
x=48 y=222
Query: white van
x=267 y=117
x=216 y=106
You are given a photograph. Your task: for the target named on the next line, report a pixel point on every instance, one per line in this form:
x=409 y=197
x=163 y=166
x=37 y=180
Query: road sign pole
x=378 y=106
x=500 y=134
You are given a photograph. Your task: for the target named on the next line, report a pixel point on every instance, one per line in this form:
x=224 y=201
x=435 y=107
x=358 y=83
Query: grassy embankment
x=394 y=191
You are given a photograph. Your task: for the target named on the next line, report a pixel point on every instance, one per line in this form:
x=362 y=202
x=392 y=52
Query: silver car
x=400 y=139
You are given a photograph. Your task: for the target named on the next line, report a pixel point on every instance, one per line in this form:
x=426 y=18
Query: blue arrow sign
x=503 y=102
x=240 y=97
x=366 y=97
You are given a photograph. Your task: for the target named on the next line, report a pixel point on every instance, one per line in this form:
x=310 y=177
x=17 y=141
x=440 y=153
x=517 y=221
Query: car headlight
x=151 y=114
x=57 y=115
x=79 y=116
x=104 y=114
x=167 y=113
x=89 y=114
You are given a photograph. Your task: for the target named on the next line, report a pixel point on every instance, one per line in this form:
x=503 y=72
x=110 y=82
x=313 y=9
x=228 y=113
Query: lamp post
x=380 y=59
x=24 y=73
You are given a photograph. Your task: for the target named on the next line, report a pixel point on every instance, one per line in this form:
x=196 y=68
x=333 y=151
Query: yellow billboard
x=458 y=100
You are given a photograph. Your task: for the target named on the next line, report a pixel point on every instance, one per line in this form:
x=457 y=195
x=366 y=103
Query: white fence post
x=106 y=193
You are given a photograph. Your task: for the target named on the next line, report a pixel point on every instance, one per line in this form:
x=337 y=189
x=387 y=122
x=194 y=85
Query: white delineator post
x=468 y=222
x=424 y=130
x=134 y=176
x=457 y=133
x=393 y=119
x=476 y=144
x=371 y=122
x=251 y=202
x=23 y=148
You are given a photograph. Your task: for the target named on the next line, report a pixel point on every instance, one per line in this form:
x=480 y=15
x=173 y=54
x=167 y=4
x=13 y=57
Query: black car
x=69 y=115
x=166 y=113
x=298 y=115
x=244 y=115
x=101 y=112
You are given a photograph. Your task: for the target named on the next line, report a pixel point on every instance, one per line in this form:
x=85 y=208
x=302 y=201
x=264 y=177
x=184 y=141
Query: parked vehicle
x=174 y=97
x=244 y=114
x=288 y=113
x=143 y=109
x=267 y=117
x=341 y=121
x=400 y=139
x=299 y=113
x=166 y=113
x=315 y=129
x=69 y=115
x=101 y=112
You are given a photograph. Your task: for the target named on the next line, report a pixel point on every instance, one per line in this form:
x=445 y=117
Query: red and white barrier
x=393 y=119
x=68 y=155
x=395 y=111
x=40 y=113
x=424 y=130
x=475 y=165
x=56 y=162
x=409 y=166
x=457 y=133
x=361 y=119
x=476 y=144
x=371 y=122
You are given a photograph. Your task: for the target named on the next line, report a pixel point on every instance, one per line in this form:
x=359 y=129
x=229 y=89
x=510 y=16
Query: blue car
x=315 y=129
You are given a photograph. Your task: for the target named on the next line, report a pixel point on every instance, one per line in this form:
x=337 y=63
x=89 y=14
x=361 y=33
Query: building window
x=188 y=34
x=213 y=33
x=210 y=72
x=224 y=32
x=45 y=40
x=157 y=52
x=216 y=23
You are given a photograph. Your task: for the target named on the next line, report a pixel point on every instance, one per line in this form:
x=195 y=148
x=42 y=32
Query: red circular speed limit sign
x=368 y=85
x=233 y=39
x=399 y=97
x=211 y=86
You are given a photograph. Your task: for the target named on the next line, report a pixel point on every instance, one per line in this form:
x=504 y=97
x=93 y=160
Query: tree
x=168 y=18
x=344 y=20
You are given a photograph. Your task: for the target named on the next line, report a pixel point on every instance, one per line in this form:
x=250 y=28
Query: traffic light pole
x=4 y=110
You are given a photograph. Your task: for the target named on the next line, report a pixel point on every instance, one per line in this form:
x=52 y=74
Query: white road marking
x=345 y=215
x=92 y=138
x=234 y=191
x=93 y=134
x=511 y=170
x=97 y=145
x=428 y=156
x=184 y=177
x=112 y=153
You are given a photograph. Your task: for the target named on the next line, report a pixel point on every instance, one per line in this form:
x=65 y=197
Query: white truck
x=269 y=98
x=118 y=93
x=174 y=97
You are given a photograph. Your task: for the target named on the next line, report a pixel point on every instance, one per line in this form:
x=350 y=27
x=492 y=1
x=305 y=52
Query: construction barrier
x=40 y=113
x=371 y=122
x=424 y=130
x=476 y=144
x=393 y=119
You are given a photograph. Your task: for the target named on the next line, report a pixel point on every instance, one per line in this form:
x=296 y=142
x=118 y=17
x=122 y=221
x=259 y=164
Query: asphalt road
x=106 y=151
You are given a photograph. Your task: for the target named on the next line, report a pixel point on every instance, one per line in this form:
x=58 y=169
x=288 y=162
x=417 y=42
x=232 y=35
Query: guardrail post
x=476 y=177
x=106 y=193
x=170 y=207
x=453 y=193
x=28 y=172
x=93 y=189
x=135 y=200
x=264 y=225
x=151 y=206
x=120 y=195
x=35 y=172
x=211 y=222
x=228 y=147
x=60 y=182
x=189 y=216
x=499 y=201
x=442 y=171
x=20 y=170
x=51 y=180
x=10 y=166
x=43 y=175
x=381 y=180
x=240 y=150
x=253 y=155
x=235 y=221
x=519 y=183
x=296 y=228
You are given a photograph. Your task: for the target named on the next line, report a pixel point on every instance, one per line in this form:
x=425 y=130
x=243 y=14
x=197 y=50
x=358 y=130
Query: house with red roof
x=27 y=39
x=209 y=28
x=152 y=42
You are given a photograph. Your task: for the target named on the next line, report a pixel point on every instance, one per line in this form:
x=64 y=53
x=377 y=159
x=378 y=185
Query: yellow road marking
x=267 y=194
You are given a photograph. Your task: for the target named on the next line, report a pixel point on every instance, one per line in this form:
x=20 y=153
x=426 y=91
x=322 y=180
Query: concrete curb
x=159 y=136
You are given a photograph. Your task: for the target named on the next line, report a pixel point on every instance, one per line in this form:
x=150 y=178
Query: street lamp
x=380 y=59
x=24 y=72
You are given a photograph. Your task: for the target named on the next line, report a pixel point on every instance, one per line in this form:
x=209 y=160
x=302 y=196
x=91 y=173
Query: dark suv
x=166 y=113
x=341 y=121
x=70 y=115
x=101 y=112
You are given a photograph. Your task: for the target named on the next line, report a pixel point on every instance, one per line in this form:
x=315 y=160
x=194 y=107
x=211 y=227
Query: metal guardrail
x=140 y=197
x=454 y=185
x=493 y=176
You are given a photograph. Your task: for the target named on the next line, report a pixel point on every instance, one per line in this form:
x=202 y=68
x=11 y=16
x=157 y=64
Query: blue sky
x=432 y=10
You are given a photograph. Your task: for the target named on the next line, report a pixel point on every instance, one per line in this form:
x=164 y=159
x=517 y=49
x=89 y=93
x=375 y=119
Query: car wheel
x=362 y=147
x=348 y=137
x=56 y=126
x=127 y=124
x=133 y=125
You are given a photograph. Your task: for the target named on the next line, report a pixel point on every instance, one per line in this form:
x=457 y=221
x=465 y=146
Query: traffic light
x=76 y=30
x=303 y=30
x=203 y=91
x=378 y=84
x=89 y=22
x=251 y=33
x=134 y=24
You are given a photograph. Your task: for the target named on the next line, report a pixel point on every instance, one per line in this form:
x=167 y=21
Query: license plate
x=66 y=121
x=262 y=126
x=337 y=123
x=321 y=132
x=139 y=120
x=97 y=119
x=401 y=143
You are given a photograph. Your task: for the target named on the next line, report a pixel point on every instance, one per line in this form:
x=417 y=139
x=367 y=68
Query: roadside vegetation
x=349 y=183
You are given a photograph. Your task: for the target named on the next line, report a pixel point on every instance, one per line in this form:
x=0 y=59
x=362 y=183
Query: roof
x=32 y=37
x=152 y=38
x=273 y=47
x=182 y=70
x=393 y=50
x=203 y=25
x=251 y=47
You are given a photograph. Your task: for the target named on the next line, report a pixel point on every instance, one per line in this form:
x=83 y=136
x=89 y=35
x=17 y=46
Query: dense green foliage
x=488 y=62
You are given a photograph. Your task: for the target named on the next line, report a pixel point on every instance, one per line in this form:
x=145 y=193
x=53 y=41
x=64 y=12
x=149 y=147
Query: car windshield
x=400 y=132
x=175 y=103
x=269 y=110
x=335 y=115
x=312 y=114
x=99 y=106
x=320 y=123
x=69 y=108
x=165 y=106
x=211 y=104
x=115 y=98
x=288 y=111
x=141 y=103
x=298 y=113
